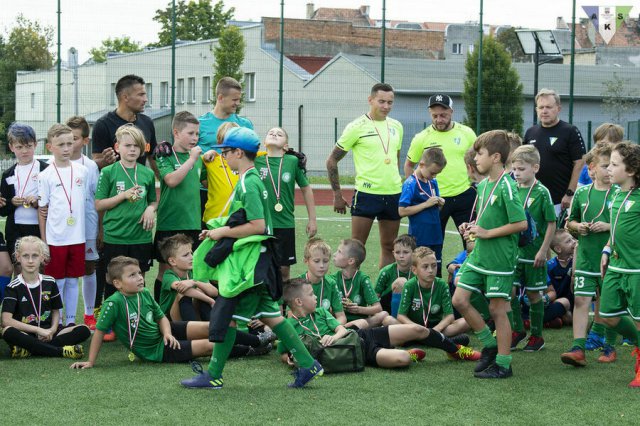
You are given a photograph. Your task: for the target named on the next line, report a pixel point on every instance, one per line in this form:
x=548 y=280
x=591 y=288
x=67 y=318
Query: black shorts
x=553 y=311
x=285 y=245
x=374 y=339
x=21 y=230
x=184 y=354
x=372 y=206
x=141 y=252
x=161 y=235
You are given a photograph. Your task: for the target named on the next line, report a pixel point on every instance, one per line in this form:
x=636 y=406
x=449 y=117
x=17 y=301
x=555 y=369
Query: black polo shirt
x=104 y=133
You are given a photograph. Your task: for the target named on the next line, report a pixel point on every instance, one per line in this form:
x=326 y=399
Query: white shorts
x=90 y=250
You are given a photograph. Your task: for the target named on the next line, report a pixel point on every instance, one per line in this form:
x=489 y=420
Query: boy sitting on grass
x=140 y=324
x=392 y=277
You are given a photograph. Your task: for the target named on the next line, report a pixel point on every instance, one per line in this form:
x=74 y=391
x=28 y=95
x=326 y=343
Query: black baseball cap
x=442 y=100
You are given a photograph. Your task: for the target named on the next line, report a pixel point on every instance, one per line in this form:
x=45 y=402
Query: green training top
x=542 y=211
x=624 y=232
x=148 y=343
x=368 y=140
x=179 y=208
x=358 y=289
x=290 y=174
x=327 y=293
x=251 y=195
x=497 y=256
x=387 y=276
x=167 y=294
x=587 y=261
x=121 y=223
x=455 y=143
x=412 y=305
x=317 y=324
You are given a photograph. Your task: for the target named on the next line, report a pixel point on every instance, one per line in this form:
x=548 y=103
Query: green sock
x=486 y=338
x=598 y=328
x=503 y=361
x=627 y=329
x=287 y=334
x=581 y=342
x=516 y=325
x=221 y=351
x=537 y=314
x=610 y=336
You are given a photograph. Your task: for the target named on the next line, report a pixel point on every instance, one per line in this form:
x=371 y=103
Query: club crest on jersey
x=552 y=141
x=326 y=304
x=46 y=296
x=435 y=309
x=530 y=201
x=79 y=181
x=133 y=316
x=149 y=316
x=493 y=199
x=628 y=205
x=357 y=299
x=286 y=177
x=416 y=305
x=120 y=186
x=264 y=172
x=457 y=141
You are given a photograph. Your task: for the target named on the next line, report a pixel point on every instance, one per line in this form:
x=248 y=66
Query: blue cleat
x=304 y=375
x=594 y=342
x=627 y=342
x=202 y=381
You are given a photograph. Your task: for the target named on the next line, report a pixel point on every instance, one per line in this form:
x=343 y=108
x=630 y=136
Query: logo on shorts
x=493 y=288
x=326 y=304
x=357 y=299
x=286 y=177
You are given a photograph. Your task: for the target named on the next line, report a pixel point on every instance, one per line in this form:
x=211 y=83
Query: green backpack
x=344 y=356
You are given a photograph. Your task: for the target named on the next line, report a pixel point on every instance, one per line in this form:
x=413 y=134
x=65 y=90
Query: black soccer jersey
x=26 y=303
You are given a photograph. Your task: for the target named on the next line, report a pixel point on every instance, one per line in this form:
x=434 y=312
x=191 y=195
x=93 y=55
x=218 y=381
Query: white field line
x=348 y=219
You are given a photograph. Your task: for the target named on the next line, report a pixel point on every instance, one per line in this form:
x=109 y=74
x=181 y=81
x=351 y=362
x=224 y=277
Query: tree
x=501 y=97
x=618 y=99
x=229 y=55
x=509 y=40
x=195 y=20
x=122 y=44
x=25 y=49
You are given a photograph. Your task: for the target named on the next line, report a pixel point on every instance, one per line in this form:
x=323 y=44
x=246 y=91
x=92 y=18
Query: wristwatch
x=570 y=192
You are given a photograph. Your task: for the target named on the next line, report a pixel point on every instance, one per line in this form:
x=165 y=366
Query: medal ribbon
x=524 y=205
x=385 y=149
x=486 y=203
x=422 y=191
x=69 y=195
x=33 y=303
x=132 y=337
x=233 y=193
x=344 y=284
x=273 y=183
x=586 y=207
x=26 y=181
x=614 y=224
x=321 y=286
x=398 y=273
x=134 y=181
x=425 y=318
x=317 y=333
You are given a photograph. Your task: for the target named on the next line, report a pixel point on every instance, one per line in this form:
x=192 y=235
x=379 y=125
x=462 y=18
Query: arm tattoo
x=332 y=167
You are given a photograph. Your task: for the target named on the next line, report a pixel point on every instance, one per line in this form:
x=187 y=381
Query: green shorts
x=492 y=286
x=534 y=279
x=587 y=285
x=256 y=303
x=620 y=295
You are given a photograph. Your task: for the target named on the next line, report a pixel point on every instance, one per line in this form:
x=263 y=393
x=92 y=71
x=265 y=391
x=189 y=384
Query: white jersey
x=90 y=212
x=25 y=183
x=57 y=188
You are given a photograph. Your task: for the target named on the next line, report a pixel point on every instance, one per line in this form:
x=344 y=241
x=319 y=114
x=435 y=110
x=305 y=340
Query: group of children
x=76 y=210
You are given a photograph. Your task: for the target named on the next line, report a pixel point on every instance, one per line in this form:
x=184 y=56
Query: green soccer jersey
x=590 y=205
x=121 y=224
x=281 y=176
x=542 y=211
x=179 y=208
x=376 y=170
x=496 y=208
x=167 y=294
x=327 y=293
x=121 y=313
x=251 y=195
x=455 y=143
x=424 y=305
x=625 y=229
x=358 y=289
x=387 y=276
x=318 y=324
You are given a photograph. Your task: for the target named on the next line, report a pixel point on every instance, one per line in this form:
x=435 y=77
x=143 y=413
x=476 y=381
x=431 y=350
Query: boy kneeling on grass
x=140 y=324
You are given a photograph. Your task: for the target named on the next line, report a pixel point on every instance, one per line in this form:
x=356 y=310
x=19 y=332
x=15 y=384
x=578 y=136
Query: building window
x=471 y=47
x=206 y=89
x=164 y=94
x=33 y=100
x=180 y=90
x=250 y=87
x=457 y=48
x=191 y=90
x=113 y=94
x=149 y=89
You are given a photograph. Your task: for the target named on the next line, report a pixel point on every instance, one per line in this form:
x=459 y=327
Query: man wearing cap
x=375 y=140
x=455 y=139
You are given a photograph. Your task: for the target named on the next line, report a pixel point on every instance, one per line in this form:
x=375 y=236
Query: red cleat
x=90 y=321
x=574 y=357
x=464 y=353
x=416 y=354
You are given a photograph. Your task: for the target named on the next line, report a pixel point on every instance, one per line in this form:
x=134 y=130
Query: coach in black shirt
x=561 y=149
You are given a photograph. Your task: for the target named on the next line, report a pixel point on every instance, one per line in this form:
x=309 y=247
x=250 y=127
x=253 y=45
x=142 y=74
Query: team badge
x=326 y=304
x=149 y=316
x=416 y=305
x=120 y=186
x=357 y=299
x=530 y=201
x=286 y=177
x=628 y=205
x=457 y=141
x=264 y=172
x=552 y=141
x=435 y=309
x=493 y=199
x=79 y=181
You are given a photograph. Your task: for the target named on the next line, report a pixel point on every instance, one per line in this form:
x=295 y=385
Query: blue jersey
x=424 y=226
x=560 y=278
x=584 y=178
x=459 y=260
x=209 y=125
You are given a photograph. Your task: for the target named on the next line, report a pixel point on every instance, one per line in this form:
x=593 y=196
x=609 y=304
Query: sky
x=85 y=23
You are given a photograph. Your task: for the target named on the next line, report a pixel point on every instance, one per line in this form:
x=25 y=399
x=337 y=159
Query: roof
x=271 y=50
x=354 y=16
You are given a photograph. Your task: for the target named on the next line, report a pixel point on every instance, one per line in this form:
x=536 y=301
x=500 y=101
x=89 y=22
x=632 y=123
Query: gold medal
x=132 y=357
x=71 y=221
x=615 y=254
x=26 y=205
x=387 y=160
x=278 y=207
x=472 y=237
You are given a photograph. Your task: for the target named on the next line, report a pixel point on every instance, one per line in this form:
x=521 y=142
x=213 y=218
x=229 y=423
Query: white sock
x=60 y=283
x=70 y=300
x=89 y=292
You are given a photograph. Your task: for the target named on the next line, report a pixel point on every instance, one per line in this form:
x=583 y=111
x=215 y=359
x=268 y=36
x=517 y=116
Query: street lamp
x=536 y=42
